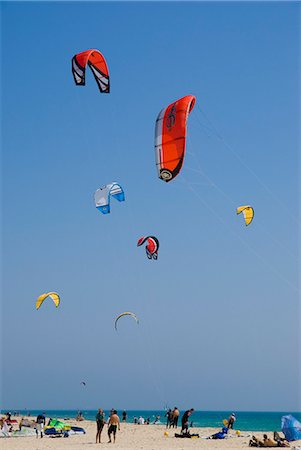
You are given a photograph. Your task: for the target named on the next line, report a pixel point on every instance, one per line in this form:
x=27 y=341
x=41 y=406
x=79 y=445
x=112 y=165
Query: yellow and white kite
x=248 y=213
x=53 y=295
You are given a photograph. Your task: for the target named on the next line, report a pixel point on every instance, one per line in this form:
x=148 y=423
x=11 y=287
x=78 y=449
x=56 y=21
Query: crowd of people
x=113 y=422
x=172 y=419
x=142 y=421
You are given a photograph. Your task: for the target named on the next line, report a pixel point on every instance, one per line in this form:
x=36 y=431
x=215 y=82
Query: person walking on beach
x=231 y=421
x=185 y=418
x=124 y=415
x=113 y=423
x=41 y=422
x=100 y=421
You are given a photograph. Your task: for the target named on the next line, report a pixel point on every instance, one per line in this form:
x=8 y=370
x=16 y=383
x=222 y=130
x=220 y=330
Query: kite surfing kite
x=126 y=314
x=248 y=213
x=170 y=137
x=97 y=64
x=83 y=383
x=52 y=295
x=152 y=246
x=102 y=196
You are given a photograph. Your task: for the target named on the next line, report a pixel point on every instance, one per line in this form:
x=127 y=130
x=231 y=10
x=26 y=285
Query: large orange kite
x=170 y=137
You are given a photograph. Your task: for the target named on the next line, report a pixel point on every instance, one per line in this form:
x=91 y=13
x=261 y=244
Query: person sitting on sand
x=254 y=442
x=281 y=442
x=100 y=421
x=140 y=421
x=268 y=442
x=220 y=435
x=79 y=416
x=113 y=423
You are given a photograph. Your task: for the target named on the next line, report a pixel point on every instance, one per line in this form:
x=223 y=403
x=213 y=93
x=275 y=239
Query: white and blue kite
x=103 y=196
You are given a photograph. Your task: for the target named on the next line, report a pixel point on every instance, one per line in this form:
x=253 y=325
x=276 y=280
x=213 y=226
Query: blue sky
x=219 y=314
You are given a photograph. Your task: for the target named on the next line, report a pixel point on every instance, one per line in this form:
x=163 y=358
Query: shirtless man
x=176 y=414
x=113 y=423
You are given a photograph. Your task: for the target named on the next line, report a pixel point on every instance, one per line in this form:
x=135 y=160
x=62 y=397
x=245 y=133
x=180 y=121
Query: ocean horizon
x=245 y=420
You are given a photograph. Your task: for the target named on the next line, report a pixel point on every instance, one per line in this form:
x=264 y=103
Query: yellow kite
x=53 y=295
x=248 y=213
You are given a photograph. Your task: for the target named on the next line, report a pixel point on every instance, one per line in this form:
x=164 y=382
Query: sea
x=245 y=421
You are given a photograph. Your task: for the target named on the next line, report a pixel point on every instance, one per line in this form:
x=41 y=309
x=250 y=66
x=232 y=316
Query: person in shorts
x=175 y=417
x=113 y=423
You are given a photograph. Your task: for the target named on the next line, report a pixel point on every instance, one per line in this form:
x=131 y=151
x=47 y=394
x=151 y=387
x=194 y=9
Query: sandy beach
x=131 y=437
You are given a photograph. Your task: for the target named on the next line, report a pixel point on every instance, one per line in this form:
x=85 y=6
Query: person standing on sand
x=124 y=416
x=41 y=422
x=175 y=417
x=157 y=419
x=231 y=421
x=113 y=423
x=185 y=418
x=100 y=421
x=168 y=416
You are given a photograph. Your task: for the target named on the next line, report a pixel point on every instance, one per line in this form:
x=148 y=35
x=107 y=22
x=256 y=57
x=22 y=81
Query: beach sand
x=132 y=437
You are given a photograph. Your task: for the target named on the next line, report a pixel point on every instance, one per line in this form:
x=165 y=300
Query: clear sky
x=219 y=318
